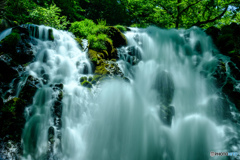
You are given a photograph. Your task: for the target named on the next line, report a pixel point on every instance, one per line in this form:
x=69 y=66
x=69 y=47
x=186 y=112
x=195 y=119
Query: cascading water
x=125 y=121
x=5 y=33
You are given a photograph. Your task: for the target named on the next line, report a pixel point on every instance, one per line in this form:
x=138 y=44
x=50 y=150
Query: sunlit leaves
x=49 y=16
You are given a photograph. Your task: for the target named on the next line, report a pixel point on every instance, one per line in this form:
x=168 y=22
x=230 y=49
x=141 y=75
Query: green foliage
x=86 y=84
x=49 y=16
x=140 y=25
x=121 y=28
x=95 y=34
x=83 y=79
x=98 y=42
x=83 y=28
x=19 y=10
x=11 y=40
x=181 y=13
x=101 y=22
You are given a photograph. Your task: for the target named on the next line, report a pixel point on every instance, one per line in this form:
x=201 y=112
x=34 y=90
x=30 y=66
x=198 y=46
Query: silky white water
x=5 y=33
x=117 y=120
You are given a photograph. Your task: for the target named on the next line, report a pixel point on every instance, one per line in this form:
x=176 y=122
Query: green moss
x=79 y=40
x=14 y=106
x=116 y=36
x=97 y=77
x=90 y=79
x=94 y=81
x=50 y=35
x=11 y=40
x=101 y=69
x=94 y=59
x=86 y=84
x=121 y=28
x=98 y=42
x=83 y=79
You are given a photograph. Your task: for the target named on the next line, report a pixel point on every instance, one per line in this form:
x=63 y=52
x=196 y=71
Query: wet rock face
x=227 y=40
x=116 y=35
x=29 y=89
x=5 y=24
x=164 y=85
x=12 y=119
x=17 y=46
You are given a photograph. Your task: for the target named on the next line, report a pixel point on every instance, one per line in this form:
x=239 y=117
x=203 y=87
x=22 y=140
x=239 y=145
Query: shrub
x=83 y=28
x=49 y=16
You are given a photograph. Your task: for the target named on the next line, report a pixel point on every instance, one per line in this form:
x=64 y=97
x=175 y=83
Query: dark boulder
x=17 y=45
x=7 y=72
x=164 y=85
x=232 y=93
x=29 y=89
x=5 y=24
x=220 y=74
x=166 y=113
x=234 y=71
x=116 y=36
x=12 y=119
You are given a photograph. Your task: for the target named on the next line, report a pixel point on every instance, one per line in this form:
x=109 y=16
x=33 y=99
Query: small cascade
x=59 y=65
x=5 y=33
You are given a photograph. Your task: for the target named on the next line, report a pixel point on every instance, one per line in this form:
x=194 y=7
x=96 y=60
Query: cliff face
x=227 y=74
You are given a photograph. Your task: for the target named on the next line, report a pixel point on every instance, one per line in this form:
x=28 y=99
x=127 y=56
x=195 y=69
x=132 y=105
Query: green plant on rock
x=101 y=22
x=11 y=40
x=86 y=84
x=82 y=29
x=121 y=28
x=98 y=42
x=83 y=79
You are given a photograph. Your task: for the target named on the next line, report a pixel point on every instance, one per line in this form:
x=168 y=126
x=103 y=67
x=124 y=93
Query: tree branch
x=211 y=20
x=167 y=11
x=189 y=7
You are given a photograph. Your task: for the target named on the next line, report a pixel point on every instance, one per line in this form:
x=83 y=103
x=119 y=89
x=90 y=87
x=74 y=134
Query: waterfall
x=168 y=111
x=5 y=33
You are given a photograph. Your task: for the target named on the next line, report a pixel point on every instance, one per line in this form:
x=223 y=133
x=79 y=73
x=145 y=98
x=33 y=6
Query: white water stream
x=121 y=121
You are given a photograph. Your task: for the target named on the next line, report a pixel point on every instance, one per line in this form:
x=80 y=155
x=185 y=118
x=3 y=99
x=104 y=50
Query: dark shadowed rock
x=116 y=36
x=165 y=87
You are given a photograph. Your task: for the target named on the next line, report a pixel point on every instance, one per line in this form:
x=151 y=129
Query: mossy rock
x=50 y=35
x=12 y=119
x=92 y=54
x=79 y=41
x=90 y=79
x=83 y=79
x=86 y=84
x=116 y=36
x=121 y=28
x=29 y=89
x=5 y=24
x=10 y=42
x=17 y=45
x=101 y=69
